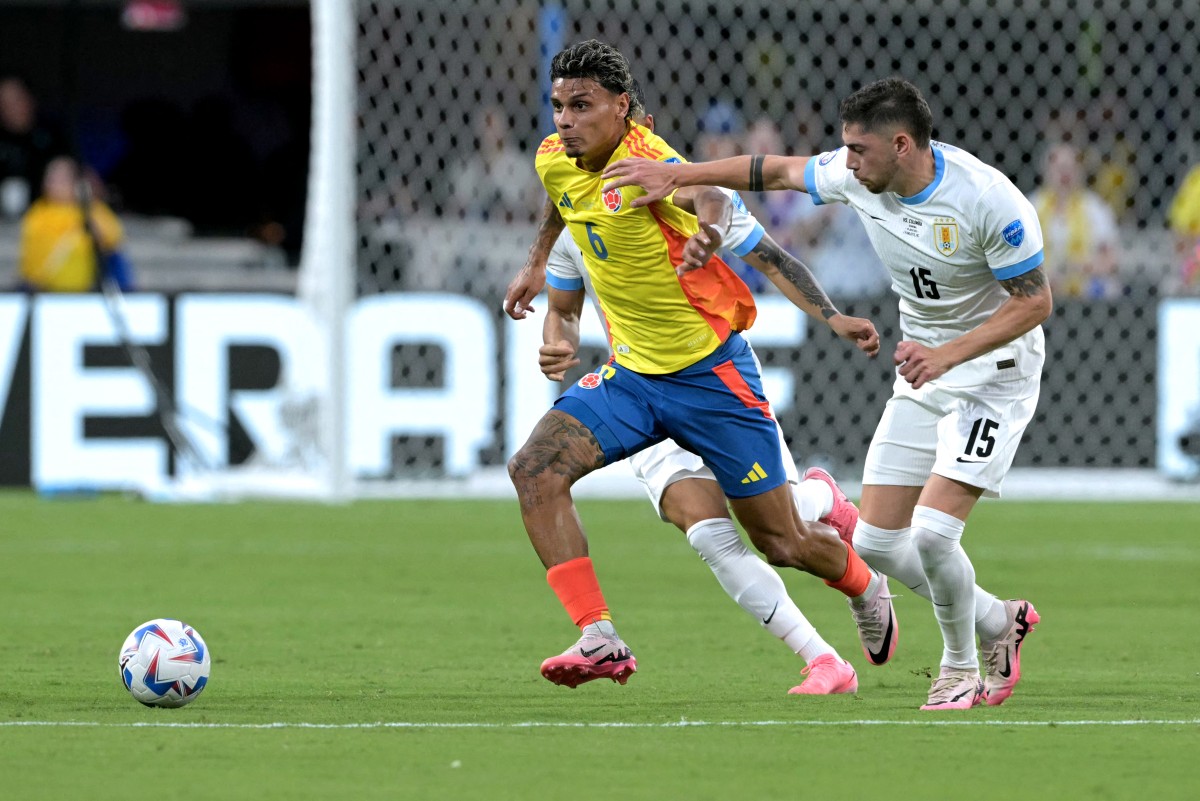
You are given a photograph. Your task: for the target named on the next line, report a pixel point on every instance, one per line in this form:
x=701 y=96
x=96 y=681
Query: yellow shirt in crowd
x=57 y=254
x=1184 y=214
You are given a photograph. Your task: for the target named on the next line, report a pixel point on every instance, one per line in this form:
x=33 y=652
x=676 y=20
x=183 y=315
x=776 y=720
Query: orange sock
x=578 y=590
x=858 y=576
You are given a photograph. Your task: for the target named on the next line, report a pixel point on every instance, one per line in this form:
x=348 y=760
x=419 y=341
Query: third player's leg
x=688 y=501
x=716 y=408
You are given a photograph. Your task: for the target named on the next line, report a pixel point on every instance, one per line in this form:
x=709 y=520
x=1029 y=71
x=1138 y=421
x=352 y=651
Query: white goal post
x=305 y=415
x=327 y=268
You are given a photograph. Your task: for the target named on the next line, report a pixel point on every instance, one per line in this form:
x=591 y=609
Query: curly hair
x=889 y=102
x=593 y=59
x=637 y=100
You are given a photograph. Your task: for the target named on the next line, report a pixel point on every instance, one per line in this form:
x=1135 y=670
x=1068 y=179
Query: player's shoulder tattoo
x=1026 y=284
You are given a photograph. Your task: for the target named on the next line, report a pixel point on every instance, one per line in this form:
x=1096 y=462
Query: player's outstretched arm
x=660 y=178
x=797 y=283
x=530 y=279
x=1029 y=305
x=560 y=333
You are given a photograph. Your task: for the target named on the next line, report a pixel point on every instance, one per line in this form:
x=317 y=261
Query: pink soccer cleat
x=878 y=629
x=1002 y=657
x=827 y=675
x=844 y=515
x=594 y=656
x=955 y=688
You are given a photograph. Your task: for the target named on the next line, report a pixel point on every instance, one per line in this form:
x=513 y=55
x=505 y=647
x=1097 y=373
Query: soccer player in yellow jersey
x=679 y=368
x=682 y=490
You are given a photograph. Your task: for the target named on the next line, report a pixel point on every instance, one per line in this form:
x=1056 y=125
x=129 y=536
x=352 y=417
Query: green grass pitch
x=406 y=636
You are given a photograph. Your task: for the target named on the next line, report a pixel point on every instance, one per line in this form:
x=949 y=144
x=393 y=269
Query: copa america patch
x=827 y=157
x=612 y=199
x=1014 y=233
x=590 y=381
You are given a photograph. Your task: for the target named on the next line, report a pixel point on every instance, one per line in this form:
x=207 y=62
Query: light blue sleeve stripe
x=1020 y=268
x=565 y=284
x=748 y=244
x=810 y=182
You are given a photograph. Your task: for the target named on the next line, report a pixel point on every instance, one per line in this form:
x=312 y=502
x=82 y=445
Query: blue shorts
x=714 y=408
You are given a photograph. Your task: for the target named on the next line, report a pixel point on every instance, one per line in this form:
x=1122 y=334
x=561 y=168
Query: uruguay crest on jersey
x=945 y=234
x=948 y=249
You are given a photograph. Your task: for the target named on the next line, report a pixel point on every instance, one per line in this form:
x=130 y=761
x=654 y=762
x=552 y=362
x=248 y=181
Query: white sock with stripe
x=892 y=553
x=951 y=579
x=755 y=586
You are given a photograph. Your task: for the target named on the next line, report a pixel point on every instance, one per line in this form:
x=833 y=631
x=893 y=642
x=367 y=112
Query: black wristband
x=756 y=179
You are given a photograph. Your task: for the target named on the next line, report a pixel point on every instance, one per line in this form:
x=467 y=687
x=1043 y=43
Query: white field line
x=680 y=724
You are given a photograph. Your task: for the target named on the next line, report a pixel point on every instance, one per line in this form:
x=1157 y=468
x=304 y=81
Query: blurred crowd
x=1083 y=199
x=190 y=165
x=69 y=228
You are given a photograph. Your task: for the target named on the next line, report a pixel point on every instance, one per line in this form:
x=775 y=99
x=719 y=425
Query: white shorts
x=968 y=434
x=661 y=465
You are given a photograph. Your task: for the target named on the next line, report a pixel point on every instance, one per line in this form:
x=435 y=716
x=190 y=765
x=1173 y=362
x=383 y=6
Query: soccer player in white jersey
x=683 y=490
x=964 y=249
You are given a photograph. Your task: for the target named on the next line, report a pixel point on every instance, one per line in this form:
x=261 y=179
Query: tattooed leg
x=559 y=452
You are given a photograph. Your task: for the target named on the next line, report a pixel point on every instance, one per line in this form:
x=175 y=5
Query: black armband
x=756 y=167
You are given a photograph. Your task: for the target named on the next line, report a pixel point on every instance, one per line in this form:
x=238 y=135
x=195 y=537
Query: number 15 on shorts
x=982 y=440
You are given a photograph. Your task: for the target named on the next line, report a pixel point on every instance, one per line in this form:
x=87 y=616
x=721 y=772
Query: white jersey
x=565 y=269
x=947 y=248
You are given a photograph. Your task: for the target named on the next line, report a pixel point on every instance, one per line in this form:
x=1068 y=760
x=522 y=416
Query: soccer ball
x=164 y=662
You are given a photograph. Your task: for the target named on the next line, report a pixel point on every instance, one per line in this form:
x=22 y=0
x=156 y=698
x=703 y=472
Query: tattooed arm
x=796 y=282
x=1029 y=305
x=792 y=277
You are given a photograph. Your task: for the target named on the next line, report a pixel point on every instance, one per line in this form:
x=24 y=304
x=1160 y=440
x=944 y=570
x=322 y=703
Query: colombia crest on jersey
x=658 y=322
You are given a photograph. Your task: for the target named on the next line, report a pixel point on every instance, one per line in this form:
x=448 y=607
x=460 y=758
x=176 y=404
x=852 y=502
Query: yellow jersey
x=658 y=322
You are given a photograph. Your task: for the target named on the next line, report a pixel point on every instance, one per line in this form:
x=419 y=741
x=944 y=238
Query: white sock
x=951 y=579
x=602 y=627
x=991 y=616
x=755 y=586
x=814 y=499
x=893 y=553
